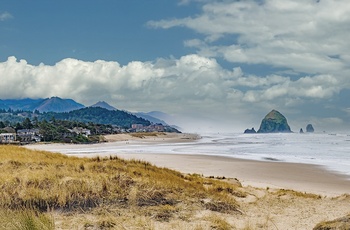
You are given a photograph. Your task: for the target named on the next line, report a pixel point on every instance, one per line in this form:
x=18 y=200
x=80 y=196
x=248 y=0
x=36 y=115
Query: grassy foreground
x=41 y=190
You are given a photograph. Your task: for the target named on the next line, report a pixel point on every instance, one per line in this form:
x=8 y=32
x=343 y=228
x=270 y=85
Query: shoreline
x=261 y=174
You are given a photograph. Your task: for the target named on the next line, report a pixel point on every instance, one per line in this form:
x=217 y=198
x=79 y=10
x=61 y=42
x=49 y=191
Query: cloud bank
x=191 y=85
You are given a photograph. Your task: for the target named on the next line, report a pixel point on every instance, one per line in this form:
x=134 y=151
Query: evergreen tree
x=27 y=124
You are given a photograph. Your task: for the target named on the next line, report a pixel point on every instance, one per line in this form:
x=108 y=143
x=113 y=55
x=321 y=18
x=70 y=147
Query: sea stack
x=250 y=130
x=309 y=128
x=274 y=122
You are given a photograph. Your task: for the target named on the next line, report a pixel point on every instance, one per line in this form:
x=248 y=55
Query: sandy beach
x=263 y=174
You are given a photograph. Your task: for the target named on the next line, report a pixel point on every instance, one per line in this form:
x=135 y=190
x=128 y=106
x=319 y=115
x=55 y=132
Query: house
x=136 y=126
x=7 y=137
x=82 y=131
x=29 y=135
x=155 y=128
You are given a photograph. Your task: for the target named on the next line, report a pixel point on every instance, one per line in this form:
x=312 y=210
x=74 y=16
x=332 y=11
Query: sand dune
x=266 y=206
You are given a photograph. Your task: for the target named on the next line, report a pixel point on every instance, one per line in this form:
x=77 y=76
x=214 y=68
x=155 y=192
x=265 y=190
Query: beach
x=279 y=195
x=308 y=178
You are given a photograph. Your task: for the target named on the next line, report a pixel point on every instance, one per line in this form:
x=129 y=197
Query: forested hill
x=98 y=115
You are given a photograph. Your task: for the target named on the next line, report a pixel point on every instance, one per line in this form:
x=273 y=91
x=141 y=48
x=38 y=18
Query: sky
x=213 y=65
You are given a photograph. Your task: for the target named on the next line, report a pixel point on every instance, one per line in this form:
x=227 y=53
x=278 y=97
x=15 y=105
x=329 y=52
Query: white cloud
x=5 y=16
x=272 y=88
x=191 y=78
x=304 y=36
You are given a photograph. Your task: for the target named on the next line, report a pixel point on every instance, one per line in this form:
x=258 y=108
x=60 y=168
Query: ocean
x=329 y=150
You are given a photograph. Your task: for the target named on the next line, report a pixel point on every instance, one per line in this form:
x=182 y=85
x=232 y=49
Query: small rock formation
x=250 y=130
x=274 y=122
x=309 y=128
x=340 y=223
x=301 y=131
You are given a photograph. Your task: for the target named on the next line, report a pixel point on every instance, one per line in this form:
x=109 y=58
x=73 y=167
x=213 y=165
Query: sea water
x=329 y=150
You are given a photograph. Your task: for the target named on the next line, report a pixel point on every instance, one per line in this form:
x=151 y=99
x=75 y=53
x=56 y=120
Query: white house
x=7 y=137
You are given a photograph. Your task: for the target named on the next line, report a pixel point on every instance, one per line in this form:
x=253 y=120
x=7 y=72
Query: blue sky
x=49 y=31
x=213 y=64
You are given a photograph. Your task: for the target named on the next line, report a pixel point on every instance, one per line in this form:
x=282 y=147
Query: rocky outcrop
x=274 y=122
x=250 y=130
x=309 y=128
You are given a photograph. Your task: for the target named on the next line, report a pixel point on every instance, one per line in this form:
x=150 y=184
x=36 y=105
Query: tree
x=18 y=126
x=27 y=124
x=36 y=122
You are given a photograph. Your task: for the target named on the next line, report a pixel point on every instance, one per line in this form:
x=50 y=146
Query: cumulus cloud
x=5 y=16
x=190 y=76
x=189 y=80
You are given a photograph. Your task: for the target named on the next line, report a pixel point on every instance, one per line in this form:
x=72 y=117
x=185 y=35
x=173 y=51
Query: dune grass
x=25 y=219
x=36 y=185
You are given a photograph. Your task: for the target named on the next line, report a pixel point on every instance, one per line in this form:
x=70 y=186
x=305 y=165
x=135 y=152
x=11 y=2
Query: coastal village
x=66 y=121
x=24 y=136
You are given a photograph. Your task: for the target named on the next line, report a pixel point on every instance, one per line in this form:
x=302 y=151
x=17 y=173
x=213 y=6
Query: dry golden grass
x=41 y=190
x=25 y=219
x=288 y=192
x=112 y=190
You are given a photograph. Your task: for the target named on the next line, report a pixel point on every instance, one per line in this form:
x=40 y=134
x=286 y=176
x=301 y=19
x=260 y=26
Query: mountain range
x=53 y=104
x=59 y=105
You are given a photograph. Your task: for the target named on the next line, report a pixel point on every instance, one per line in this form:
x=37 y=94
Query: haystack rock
x=274 y=122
